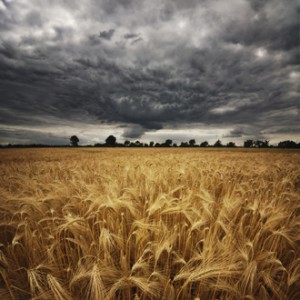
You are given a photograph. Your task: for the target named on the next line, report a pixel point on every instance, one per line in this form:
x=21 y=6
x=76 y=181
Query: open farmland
x=149 y=224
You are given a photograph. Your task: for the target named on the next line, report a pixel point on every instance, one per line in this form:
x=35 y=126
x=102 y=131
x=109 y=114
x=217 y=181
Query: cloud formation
x=107 y=35
x=131 y=35
x=146 y=66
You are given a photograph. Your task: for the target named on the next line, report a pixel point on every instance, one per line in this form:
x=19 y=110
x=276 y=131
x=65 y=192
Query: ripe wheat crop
x=149 y=224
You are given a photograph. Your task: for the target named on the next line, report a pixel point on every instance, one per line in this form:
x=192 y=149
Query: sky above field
x=149 y=70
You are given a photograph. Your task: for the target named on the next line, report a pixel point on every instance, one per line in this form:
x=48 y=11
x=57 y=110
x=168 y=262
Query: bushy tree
x=288 y=144
x=192 y=142
x=204 y=144
x=218 y=143
x=184 y=144
x=261 y=144
x=248 y=143
x=74 y=140
x=230 y=145
x=111 y=141
x=168 y=143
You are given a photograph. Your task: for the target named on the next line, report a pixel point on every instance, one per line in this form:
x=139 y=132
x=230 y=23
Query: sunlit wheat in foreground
x=149 y=224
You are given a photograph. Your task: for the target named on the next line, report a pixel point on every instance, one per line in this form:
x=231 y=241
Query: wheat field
x=84 y=223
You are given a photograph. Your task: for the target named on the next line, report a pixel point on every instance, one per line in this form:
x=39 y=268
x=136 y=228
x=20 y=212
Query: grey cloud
x=257 y=5
x=8 y=50
x=147 y=100
x=137 y=40
x=134 y=132
x=19 y=136
x=62 y=33
x=131 y=35
x=188 y=4
x=34 y=19
x=236 y=133
x=94 y=40
x=107 y=35
x=262 y=27
x=5 y=2
x=110 y=7
x=167 y=12
x=235 y=75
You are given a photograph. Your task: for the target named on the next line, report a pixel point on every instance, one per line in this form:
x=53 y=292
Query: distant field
x=86 y=223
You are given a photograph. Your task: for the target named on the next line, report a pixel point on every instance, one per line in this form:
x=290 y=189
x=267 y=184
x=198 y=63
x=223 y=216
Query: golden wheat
x=149 y=224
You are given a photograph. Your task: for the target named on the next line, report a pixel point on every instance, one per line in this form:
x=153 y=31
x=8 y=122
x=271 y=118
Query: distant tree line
x=111 y=141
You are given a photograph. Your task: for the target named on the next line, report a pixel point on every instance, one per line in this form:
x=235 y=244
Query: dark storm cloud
x=264 y=31
x=236 y=133
x=134 y=132
x=19 y=136
x=228 y=64
x=107 y=35
x=257 y=5
x=8 y=50
x=94 y=40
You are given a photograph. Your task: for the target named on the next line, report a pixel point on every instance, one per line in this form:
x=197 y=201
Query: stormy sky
x=149 y=70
